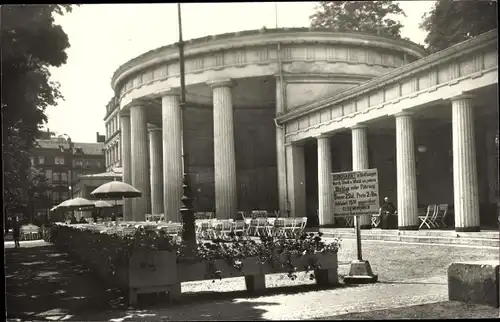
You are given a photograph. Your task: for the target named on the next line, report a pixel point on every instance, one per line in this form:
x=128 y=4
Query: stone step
x=429 y=233
x=422 y=239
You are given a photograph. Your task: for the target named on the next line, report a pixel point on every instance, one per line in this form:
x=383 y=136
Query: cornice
x=259 y=38
x=484 y=40
x=108 y=140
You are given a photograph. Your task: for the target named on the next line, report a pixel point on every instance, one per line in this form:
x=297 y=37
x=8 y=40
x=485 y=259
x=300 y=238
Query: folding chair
x=278 y=229
x=300 y=225
x=349 y=221
x=239 y=227
x=223 y=228
x=376 y=219
x=439 y=216
x=264 y=226
x=290 y=224
x=253 y=228
x=426 y=220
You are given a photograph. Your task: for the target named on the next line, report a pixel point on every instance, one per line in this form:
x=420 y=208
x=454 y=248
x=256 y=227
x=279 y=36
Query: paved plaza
x=45 y=284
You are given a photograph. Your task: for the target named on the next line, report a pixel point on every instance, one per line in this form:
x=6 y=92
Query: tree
x=38 y=189
x=31 y=43
x=450 y=22
x=365 y=16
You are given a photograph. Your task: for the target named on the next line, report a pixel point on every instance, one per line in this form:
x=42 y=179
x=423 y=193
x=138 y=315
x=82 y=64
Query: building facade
x=112 y=142
x=270 y=114
x=88 y=183
x=63 y=162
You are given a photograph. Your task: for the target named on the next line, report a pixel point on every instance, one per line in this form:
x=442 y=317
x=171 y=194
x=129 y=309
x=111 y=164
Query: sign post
x=356 y=194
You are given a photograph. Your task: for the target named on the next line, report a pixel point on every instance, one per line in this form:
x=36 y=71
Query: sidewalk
x=44 y=284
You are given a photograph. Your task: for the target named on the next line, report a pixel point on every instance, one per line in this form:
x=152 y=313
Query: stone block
x=255 y=283
x=474 y=282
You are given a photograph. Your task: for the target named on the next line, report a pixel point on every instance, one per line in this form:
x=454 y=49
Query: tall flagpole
x=276 y=13
x=187 y=215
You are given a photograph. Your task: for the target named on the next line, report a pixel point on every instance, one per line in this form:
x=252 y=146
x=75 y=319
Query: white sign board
x=356 y=193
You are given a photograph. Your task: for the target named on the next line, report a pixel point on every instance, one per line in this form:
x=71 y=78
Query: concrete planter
x=151 y=271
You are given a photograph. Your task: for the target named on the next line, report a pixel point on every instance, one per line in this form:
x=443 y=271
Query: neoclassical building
x=112 y=144
x=270 y=114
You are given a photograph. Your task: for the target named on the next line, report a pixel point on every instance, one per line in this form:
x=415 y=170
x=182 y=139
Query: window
x=59 y=160
x=64 y=177
x=41 y=159
x=55 y=195
x=88 y=164
x=56 y=176
x=79 y=164
x=32 y=160
x=64 y=195
x=98 y=164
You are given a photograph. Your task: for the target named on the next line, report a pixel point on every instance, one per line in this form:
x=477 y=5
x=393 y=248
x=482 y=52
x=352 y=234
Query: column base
x=365 y=227
x=467 y=229
x=408 y=227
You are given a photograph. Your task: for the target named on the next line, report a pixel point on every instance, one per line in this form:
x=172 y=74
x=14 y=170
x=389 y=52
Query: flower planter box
x=151 y=271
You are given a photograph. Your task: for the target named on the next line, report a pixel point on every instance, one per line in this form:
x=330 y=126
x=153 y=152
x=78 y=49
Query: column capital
x=169 y=92
x=226 y=82
x=125 y=114
x=358 y=127
x=323 y=136
x=463 y=96
x=403 y=113
x=152 y=128
x=137 y=103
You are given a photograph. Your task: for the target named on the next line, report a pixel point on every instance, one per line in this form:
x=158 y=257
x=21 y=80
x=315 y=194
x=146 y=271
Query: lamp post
x=187 y=215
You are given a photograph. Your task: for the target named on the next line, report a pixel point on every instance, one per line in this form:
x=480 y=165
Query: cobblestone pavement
x=43 y=283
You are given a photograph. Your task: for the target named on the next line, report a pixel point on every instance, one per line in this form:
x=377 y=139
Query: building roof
x=87 y=148
x=90 y=148
x=103 y=175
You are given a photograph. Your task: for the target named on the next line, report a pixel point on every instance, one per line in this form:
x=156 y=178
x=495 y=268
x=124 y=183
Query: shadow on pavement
x=43 y=283
x=439 y=310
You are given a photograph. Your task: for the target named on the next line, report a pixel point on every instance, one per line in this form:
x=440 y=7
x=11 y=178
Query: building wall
x=62 y=176
x=112 y=147
x=255 y=147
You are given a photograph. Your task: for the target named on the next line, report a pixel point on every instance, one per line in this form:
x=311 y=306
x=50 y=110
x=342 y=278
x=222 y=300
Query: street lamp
x=188 y=231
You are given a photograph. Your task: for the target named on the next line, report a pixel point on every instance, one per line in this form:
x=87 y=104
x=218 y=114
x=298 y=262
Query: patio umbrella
x=103 y=204
x=76 y=204
x=115 y=190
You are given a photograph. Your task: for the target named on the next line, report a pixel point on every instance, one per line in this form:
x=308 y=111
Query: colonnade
x=465 y=182
x=157 y=171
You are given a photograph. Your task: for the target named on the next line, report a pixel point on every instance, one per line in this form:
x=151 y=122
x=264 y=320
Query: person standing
x=16 y=231
x=387 y=209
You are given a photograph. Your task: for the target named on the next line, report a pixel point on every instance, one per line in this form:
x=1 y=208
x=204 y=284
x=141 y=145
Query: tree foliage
x=450 y=22
x=31 y=43
x=365 y=16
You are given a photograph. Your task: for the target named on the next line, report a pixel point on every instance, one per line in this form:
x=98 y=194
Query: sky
x=104 y=36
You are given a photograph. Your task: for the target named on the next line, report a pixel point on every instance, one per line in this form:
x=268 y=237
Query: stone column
x=156 y=166
x=126 y=164
x=360 y=161
x=139 y=161
x=465 y=185
x=280 y=154
x=224 y=153
x=325 y=188
x=406 y=173
x=296 y=177
x=172 y=156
